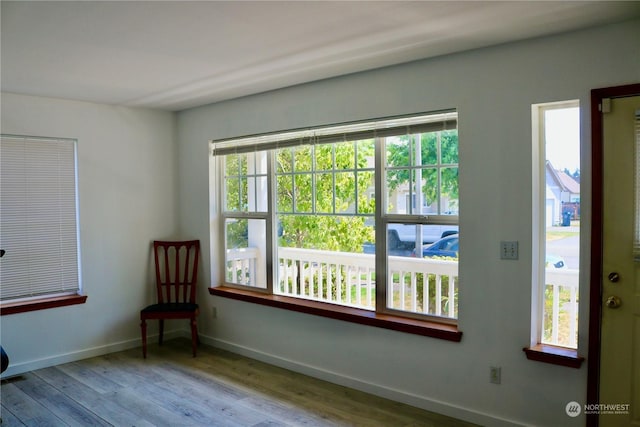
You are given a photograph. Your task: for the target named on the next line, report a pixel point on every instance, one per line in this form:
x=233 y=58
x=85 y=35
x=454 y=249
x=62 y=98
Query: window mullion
x=439 y=174
x=355 y=177
x=380 y=226
x=272 y=223
x=221 y=165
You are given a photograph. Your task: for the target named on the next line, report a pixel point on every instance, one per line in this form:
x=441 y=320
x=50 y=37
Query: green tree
x=401 y=156
x=316 y=199
x=575 y=175
x=236 y=197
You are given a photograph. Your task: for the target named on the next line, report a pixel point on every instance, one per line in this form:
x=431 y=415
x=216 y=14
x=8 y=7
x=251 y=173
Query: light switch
x=509 y=250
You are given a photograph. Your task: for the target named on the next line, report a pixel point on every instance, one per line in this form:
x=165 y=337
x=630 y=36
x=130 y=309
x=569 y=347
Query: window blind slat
x=38 y=217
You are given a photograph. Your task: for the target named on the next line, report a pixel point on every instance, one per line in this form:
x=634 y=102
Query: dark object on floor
x=5 y=359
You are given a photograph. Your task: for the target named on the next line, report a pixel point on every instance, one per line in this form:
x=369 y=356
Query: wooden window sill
x=40 y=304
x=554 y=355
x=348 y=314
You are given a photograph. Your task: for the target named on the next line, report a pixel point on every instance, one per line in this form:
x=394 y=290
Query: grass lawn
x=557 y=235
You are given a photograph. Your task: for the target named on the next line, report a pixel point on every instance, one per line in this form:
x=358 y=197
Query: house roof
x=569 y=183
x=563 y=180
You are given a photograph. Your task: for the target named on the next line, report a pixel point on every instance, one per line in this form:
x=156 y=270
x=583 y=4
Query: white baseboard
x=18 y=368
x=368 y=387
x=293 y=365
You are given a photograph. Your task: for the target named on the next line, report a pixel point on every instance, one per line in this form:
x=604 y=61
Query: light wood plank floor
x=170 y=388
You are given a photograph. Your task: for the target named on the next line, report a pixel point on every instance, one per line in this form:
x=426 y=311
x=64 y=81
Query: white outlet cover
x=509 y=250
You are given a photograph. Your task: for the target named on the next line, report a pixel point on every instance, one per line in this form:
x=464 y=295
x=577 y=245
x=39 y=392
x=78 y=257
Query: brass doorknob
x=613 y=302
x=613 y=277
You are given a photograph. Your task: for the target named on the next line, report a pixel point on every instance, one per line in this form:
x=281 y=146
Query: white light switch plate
x=509 y=250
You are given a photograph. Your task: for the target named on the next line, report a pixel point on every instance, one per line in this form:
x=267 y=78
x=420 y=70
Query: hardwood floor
x=170 y=388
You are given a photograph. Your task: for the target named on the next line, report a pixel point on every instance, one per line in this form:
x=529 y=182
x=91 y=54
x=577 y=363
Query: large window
x=556 y=233
x=38 y=223
x=361 y=215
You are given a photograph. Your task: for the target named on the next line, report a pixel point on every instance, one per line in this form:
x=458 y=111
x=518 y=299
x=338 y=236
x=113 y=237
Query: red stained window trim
x=554 y=355
x=348 y=314
x=41 y=304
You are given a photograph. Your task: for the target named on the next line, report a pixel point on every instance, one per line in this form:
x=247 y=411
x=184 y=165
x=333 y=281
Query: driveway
x=568 y=248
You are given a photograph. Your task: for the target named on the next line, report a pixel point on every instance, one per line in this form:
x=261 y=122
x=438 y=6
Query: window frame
x=538 y=350
x=384 y=219
x=51 y=298
x=382 y=316
x=267 y=216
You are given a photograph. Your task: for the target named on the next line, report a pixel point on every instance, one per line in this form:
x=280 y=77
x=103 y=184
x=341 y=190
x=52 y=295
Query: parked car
x=448 y=247
x=430 y=232
x=395 y=246
x=445 y=247
x=401 y=238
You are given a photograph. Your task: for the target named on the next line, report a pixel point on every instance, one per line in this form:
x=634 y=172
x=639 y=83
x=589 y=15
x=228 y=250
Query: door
x=619 y=401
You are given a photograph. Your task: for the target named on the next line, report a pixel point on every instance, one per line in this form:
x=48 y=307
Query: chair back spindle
x=176 y=270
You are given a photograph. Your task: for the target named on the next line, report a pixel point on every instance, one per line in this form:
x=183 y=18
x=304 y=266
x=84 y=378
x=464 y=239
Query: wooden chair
x=176 y=277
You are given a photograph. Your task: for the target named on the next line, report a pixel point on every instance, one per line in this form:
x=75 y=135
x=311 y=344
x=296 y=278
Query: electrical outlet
x=509 y=250
x=214 y=312
x=495 y=374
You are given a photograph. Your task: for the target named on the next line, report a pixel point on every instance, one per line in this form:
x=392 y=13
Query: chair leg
x=143 y=327
x=194 y=336
x=161 y=331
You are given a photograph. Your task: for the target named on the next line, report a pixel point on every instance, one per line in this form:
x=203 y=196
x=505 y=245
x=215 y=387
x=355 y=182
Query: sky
x=563 y=138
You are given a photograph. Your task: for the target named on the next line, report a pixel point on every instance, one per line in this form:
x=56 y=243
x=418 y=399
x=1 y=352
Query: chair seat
x=170 y=307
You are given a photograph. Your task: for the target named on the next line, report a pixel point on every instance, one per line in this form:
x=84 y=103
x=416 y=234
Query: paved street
x=567 y=248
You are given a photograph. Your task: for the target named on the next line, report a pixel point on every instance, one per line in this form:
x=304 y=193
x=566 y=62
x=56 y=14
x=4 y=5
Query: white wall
x=127 y=190
x=493 y=90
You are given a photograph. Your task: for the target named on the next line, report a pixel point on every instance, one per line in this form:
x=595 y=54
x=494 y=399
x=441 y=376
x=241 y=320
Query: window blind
x=392 y=126
x=38 y=217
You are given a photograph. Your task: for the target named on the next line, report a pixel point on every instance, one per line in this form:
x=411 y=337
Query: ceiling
x=174 y=55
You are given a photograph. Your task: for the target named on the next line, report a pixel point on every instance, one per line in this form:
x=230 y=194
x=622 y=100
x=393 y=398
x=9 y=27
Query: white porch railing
x=417 y=285
x=241 y=266
x=423 y=285
x=336 y=277
x=560 y=313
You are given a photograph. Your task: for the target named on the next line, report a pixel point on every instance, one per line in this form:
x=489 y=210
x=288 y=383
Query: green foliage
x=237 y=233
x=323 y=191
x=401 y=156
x=235 y=182
x=323 y=181
x=334 y=233
x=575 y=174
